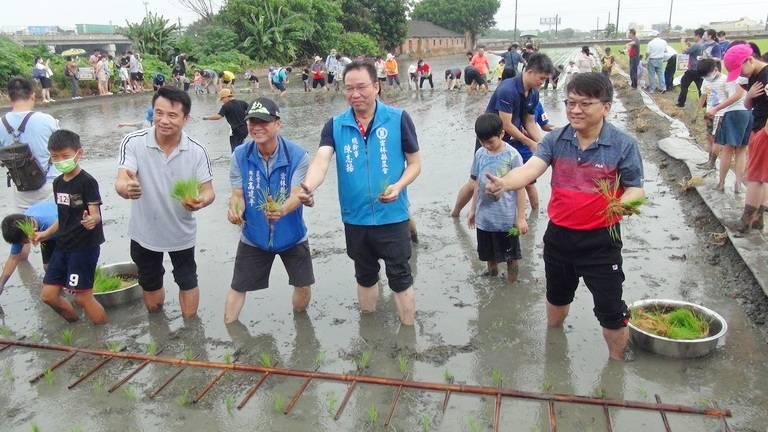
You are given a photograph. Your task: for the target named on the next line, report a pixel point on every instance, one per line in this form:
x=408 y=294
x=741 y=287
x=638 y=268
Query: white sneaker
x=51 y=100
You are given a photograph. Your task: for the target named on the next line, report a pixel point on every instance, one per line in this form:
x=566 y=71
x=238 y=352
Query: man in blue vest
x=377 y=157
x=265 y=174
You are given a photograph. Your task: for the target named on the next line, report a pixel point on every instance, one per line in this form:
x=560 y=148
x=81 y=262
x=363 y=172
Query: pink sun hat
x=734 y=58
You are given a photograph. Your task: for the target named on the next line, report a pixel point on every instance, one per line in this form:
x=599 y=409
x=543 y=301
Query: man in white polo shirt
x=657 y=51
x=151 y=161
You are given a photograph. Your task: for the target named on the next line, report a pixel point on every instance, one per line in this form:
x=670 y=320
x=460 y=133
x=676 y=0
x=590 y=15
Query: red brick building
x=427 y=39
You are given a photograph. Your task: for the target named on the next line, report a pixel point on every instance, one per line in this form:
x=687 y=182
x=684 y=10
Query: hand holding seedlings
x=522 y=224
x=390 y=193
x=236 y=210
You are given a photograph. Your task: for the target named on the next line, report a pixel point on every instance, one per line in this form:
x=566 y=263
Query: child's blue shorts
x=73 y=270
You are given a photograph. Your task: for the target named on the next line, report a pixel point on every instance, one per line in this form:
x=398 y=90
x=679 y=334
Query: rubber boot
x=748 y=219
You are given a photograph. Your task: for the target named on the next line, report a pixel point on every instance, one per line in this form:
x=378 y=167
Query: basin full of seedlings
x=675 y=328
x=117 y=284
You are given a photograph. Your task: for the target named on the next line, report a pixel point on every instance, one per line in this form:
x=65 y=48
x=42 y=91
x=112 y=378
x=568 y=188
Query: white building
x=744 y=24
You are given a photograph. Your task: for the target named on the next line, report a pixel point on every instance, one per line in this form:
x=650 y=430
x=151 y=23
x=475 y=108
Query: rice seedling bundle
x=27 y=227
x=678 y=323
x=185 y=190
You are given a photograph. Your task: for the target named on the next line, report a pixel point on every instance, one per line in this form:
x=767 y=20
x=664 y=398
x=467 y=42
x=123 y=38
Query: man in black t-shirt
x=79 y=232
x=234 y=110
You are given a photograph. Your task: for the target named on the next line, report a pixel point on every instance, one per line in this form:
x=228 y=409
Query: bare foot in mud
x=491 y=273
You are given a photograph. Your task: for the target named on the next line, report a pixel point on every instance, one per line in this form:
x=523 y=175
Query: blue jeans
x=633 y=63
x=656 y=74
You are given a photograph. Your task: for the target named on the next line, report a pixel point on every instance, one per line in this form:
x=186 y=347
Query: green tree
x=355 y=44
x=610 y=29
x=322 y=29
x=384 y=20
x=153 y=35
x=473 y=16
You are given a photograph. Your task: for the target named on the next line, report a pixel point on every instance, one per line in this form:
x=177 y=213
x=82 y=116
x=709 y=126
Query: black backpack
x=23 y=168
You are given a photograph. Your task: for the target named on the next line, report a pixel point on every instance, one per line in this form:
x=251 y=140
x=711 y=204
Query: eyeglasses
x=570 y=105
x=359 y=89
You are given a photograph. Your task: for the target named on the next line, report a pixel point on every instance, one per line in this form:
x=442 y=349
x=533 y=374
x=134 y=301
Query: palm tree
x=275 y=33
x=154 y=35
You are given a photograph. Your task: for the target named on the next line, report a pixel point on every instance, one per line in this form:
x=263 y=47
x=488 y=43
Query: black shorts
x=449 y=75
x=45 y=82
x=508 y=73
x=474 y=78
x=331 y=77
x=280 y=86
x=134 y=76
x=382 y=80
x=253 y=78
x=366 y=245
x=594 y=256
x=73 y=270
x=253 y=265
x=318 y=82
x=46 y=250
x=236 y=139
x=497 y=246
x=151 y=270
x=140 y=76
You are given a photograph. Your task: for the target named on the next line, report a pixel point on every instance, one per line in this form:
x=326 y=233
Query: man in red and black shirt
x=578 y=242
x=633 y=51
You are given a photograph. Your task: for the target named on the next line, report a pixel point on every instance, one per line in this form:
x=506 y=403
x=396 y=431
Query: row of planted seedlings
x=280 y=403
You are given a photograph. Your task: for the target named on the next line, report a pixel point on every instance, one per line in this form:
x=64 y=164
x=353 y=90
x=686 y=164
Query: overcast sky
x=688 y=13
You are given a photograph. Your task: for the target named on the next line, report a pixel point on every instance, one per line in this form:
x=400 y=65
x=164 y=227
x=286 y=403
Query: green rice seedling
x=130 y=393
x=513 y=232
x=497 y=377
x=67 y=336
x=35 y=427
x=278 y=403
x=6 y=332
x=8 y=374
x=331 y=403
x=36 y=337
x=403 y=364
x=473 y=425
x=319 y=359
x=266 y=360
x=185 y=190
x=152 y=348
x=115 y=346
x=426 y=423
x=228 y=358
x=103 y=283
x=268 y=202
x=76 y=429
x=385 y=188
x=547 y=387
x=189 y=355
x=684 y=324
x=679 y=323
x=609 y=189
x=98 y=385
x=373 y=415
x=229 y=404
x=27 y=227
x=364 y=360
x=49 y=376
x=600 y=393
x=184 y=399
x=448 y=376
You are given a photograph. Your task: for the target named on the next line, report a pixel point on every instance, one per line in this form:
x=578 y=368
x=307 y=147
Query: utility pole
x=607 y=35
x=669 y=24
x=557 y=19
x=618 y=10
x=597 y=28
x=515 y=32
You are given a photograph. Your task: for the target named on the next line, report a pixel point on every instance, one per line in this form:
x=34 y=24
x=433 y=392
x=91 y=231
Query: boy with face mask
x=79 y=232
x=712 y=93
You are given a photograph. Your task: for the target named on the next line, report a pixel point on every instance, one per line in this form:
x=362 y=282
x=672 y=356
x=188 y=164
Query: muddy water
x=466 y=324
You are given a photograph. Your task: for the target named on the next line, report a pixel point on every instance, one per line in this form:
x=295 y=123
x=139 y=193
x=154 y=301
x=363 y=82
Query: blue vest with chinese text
x=365 y=169
x=288 y=230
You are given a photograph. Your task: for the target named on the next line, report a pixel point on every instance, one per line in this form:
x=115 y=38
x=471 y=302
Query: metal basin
x=679 y=348
x=124 y=295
